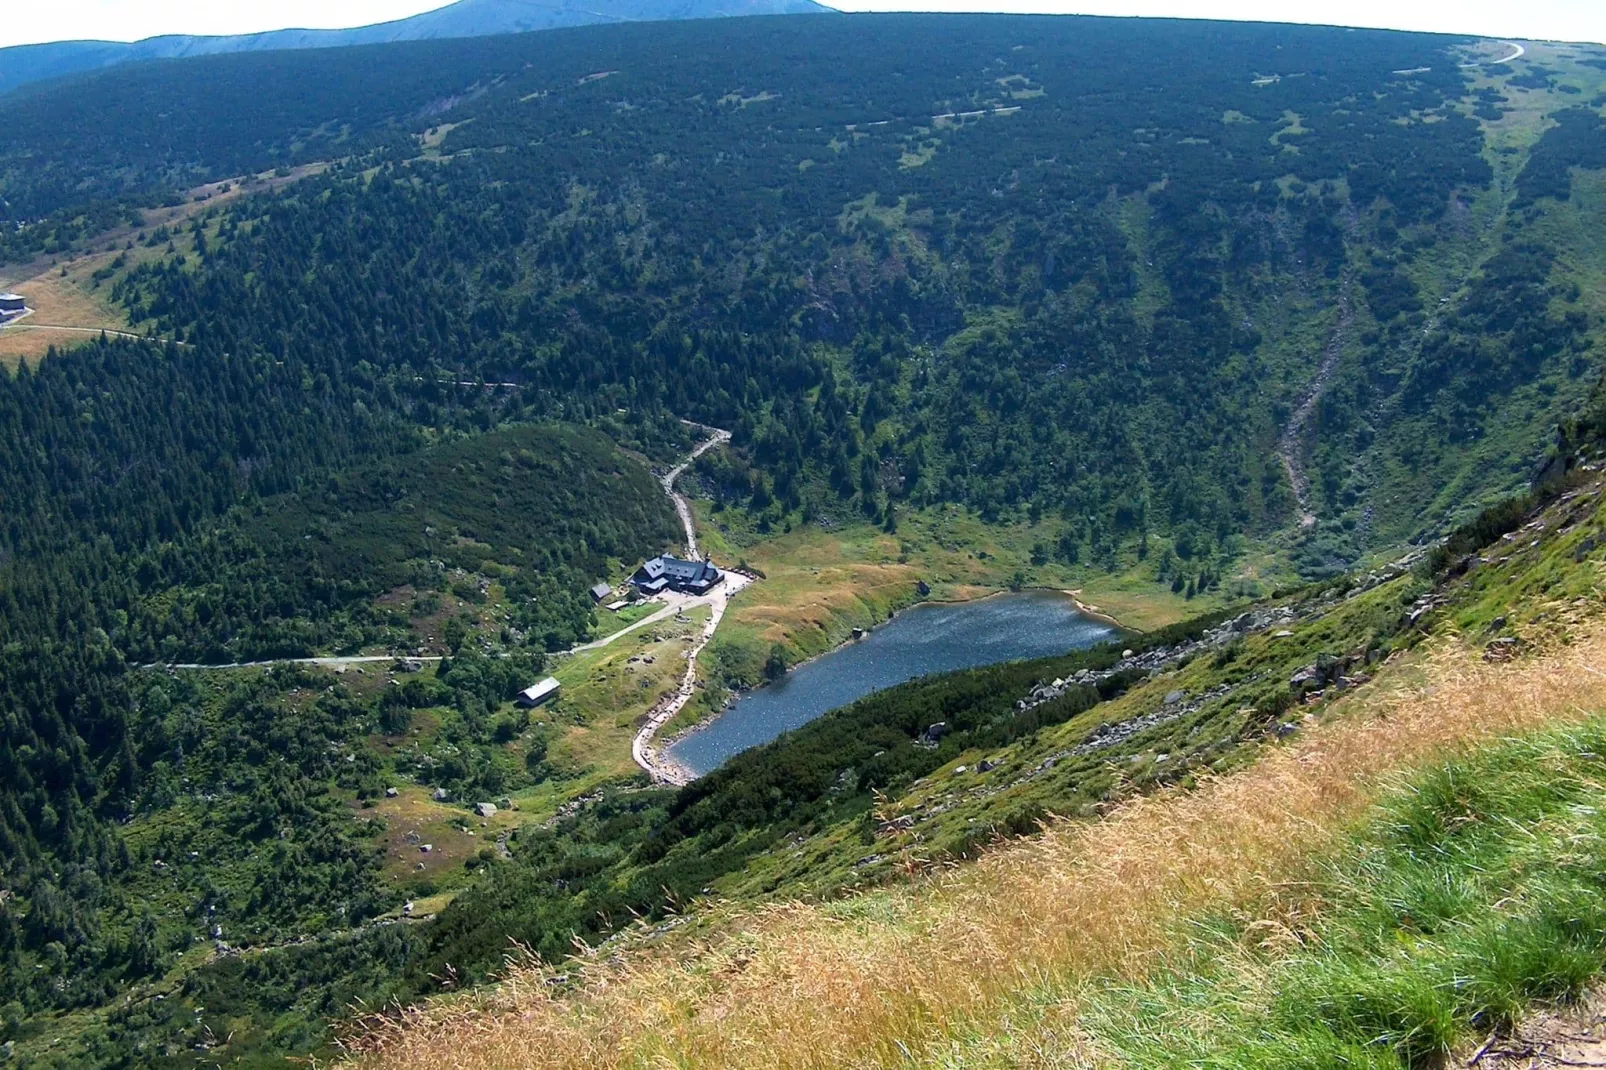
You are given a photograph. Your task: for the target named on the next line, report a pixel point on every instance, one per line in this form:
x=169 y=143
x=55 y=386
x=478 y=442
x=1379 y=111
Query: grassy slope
x=1464 y=898
x=1034 y=954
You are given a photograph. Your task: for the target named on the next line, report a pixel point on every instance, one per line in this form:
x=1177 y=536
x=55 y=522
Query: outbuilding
x=600 y=592
x=539 y=693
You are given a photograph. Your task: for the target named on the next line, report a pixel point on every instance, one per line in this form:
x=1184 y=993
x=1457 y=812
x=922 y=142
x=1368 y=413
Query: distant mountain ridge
x=22 y=64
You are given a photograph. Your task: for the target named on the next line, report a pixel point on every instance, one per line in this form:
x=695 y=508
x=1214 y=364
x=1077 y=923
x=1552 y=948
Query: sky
x=129 y=20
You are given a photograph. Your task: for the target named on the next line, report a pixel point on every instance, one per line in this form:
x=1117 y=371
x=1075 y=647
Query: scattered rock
x=485 y=809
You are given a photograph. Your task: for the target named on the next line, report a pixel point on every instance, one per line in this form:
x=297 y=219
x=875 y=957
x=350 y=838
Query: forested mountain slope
x=1101 y=274
x=1189 y=301
x=22 y=64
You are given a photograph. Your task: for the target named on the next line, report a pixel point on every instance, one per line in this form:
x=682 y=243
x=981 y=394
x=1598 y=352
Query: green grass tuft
x=1475 y=892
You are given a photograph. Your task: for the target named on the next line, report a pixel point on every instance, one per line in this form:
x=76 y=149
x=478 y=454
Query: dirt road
x=682 y=506
x=659 y=765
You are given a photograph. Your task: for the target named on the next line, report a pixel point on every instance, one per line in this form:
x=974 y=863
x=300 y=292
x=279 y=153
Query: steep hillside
x=22 y=64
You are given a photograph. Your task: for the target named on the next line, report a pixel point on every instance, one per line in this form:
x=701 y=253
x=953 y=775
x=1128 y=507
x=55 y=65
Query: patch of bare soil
x=1567 y=1037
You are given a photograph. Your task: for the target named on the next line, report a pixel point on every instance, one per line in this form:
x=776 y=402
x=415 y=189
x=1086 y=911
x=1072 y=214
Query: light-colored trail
x=1517 y=52
x=24 y=322
x=1291 y=446
x=662 y=768
x=676 y=603
x=85 y=330
x=659 y=766
x=329 y=663
x=682 y=506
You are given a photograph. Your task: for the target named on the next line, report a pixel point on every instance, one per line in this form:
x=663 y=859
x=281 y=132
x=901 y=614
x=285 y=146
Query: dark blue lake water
x=922 y=640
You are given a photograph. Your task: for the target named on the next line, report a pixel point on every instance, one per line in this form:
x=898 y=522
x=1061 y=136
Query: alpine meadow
x=405 y=447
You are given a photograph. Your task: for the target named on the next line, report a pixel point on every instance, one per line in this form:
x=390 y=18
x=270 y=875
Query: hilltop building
x=671 y=573
x=11 y=306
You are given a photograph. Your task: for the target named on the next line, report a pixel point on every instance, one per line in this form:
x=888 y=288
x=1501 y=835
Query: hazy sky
x=127 y=20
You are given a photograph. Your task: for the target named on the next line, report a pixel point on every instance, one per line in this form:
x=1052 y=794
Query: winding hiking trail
x=1291 y=445
x=682 y=506
x=659 y=766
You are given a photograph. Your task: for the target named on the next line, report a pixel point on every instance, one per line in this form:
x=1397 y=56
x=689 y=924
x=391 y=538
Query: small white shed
x=538 y=693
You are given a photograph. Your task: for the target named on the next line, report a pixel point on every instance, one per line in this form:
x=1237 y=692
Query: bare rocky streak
x=1292 y=445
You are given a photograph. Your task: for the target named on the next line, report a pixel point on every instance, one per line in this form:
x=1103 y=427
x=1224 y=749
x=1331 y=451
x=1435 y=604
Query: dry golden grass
x=61 y=301
x=18 y=344
x=903 y=975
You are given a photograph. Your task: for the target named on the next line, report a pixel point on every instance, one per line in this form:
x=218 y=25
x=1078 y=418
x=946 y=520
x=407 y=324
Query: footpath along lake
x=924 y=639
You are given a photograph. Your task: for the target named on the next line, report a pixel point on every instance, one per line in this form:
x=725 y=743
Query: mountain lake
x=922 y=640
